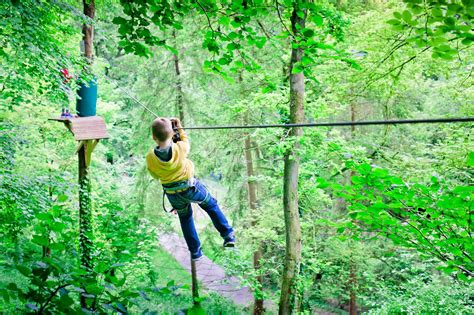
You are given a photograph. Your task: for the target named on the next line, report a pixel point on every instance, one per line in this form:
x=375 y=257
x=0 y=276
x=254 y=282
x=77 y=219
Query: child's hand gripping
x=176 y=125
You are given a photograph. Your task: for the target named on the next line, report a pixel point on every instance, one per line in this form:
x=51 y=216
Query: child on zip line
x=169 y=163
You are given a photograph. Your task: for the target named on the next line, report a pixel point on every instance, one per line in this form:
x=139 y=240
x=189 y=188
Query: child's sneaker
x=196 y=256
x=229 y=240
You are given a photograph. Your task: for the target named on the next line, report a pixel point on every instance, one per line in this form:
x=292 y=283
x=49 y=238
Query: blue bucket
x=87 y=102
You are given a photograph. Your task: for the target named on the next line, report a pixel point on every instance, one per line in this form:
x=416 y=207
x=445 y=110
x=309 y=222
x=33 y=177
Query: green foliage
x=359 y=221
x=34 y=47
x=233 y=31
x=445 y=26
x=433 y=218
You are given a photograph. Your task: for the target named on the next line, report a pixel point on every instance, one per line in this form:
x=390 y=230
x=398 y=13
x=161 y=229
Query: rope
x=342 y=123
x=130 y=95
x=309 y=125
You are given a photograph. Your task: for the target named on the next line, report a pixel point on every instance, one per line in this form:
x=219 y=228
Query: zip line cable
x=342 y=123
x=318 y=124
x=131 y=96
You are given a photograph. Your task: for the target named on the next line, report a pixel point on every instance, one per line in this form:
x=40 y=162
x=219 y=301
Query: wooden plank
x=85 y=128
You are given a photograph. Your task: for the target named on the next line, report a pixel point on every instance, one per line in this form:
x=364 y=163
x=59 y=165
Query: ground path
x=210 y=275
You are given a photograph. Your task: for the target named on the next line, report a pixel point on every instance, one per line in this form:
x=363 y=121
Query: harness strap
x=164 y=207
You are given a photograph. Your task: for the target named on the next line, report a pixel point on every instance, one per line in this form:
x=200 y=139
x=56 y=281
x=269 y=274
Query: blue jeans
x=181 y=202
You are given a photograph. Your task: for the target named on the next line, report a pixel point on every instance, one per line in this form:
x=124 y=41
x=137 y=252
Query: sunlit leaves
x=433 y=218
x=442 y=25
x=232 y=30
x=32 y=41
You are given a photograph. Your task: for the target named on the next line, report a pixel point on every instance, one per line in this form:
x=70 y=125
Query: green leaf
x=94 y=289
x=5 y=295
x=57 y=246
x=101 y=267
x=173 y=50
x=224 y=61
x=45 y=216
x=393 y=22
x=307 y=32
x=119 y=20
x=300 y=14
x=467 y=41
x=196 y=310
x=317 y=19
x=305 y=60
x=297 y=69
x=57 y=226
x=23 y=270
x=322 y=183
x=406 y=16
x=65 y=301
x=224 y=20
x=62 y=198
x=470 y=159
x=450 y=21
x=40 y=240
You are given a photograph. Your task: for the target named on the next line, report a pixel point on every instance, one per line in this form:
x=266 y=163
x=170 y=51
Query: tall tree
x=179 y=83
x=229 y=32
x=288 y=297
x=253 y=204
x=85 y=207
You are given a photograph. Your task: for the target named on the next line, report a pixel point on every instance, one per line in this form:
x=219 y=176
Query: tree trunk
x=253 y=203
x=352 y=265
x=352 y=287
x=179 y=86
x=85 y=209
x=85 y=215
x=353 y=118
x=88 y=30
x=289 y=297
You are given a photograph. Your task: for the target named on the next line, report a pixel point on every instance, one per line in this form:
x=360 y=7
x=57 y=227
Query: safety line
x=130 y=95
x=320 y=124
x=342 y=123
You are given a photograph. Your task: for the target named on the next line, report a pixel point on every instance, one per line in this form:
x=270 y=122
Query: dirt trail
x=210 y=275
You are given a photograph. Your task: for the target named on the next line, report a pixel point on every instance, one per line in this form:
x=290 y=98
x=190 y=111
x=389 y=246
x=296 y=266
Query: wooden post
x=85 y=214
x=194 y=283
x=85 y=209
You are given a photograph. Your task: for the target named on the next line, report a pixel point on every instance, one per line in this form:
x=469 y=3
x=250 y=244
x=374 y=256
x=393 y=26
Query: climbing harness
x=179 y=187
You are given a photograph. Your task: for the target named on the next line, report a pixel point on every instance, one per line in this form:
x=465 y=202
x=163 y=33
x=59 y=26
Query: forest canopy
x=331 y=219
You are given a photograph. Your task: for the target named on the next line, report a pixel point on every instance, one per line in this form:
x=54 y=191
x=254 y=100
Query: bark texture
x=85 y=209
x=88 y=29
x=179 y=86
x=352 y=287
x=289 y=297
x=85 y=215
x=253 y=203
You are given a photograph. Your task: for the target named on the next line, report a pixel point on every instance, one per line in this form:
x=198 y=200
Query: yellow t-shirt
x=178 y=168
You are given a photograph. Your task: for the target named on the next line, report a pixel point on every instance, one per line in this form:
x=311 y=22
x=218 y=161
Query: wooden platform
x=85 y=128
